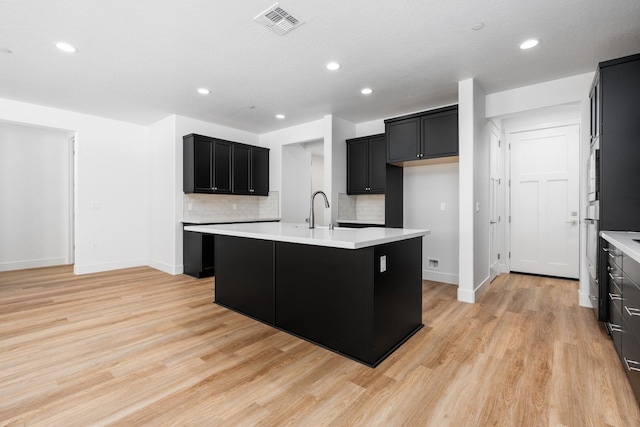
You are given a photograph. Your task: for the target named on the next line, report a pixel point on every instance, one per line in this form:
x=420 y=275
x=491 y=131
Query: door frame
x=508 y=136
x=498 y=200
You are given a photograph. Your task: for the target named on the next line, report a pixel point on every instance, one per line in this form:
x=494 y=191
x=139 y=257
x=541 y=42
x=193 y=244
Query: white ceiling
x=142 y=60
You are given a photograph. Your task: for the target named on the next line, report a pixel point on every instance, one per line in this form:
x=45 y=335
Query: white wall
x=296 y=183
x=35 y=197
x=545 y=102
x=112 y=182
x=425 y=188
x=162 y=204
x=474 y=241
x=335 y=155
x=317 y=184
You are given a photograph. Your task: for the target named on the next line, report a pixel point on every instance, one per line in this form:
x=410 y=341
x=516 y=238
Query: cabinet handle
x=614 y=277
x=214 y=188
x=632 y=311
x=629 y=362
x=615 y=328
x=418 y=156
x=251 y=190
x=615 y=297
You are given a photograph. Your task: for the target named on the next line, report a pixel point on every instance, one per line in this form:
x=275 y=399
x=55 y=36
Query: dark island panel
x=244 y=278
x=326 y=296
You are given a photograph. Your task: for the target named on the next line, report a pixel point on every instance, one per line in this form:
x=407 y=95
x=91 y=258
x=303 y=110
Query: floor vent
x=278 y=20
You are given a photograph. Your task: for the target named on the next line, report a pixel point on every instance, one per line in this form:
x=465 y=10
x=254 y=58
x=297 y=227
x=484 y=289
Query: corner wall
x=111 y=183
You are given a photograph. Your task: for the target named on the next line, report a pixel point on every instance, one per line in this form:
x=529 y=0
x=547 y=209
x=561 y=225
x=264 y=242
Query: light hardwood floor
x=140 y=347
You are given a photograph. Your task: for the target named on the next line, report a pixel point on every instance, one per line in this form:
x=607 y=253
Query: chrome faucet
x=312 y=220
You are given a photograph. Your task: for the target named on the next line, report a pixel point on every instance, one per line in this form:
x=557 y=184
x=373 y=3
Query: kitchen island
x=357 y=292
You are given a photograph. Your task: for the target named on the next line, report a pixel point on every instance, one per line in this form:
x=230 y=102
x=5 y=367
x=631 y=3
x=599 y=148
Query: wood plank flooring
x=140 y=347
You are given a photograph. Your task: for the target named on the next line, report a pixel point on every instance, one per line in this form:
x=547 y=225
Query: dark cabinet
x=250 y=170
x=623 y=279
x=366 y=165
x=207 y=165
x=198 y=254
x=244 y=281
x=615 y=126
x=426 y=135
x=216 y=166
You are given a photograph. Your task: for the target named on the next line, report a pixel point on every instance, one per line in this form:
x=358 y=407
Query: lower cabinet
x=624 y=312
x=198 y=254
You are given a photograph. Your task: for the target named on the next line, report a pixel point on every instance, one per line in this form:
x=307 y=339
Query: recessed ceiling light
x=528 y=44
x=280 y=116
x=204 y=91
x=3 y=50
x=478 y=26
x=366 y=91
x=66 y=47
x=333 y=66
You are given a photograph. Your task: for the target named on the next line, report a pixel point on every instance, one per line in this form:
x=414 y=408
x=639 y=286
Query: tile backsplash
x=365 y=207
x=227 y=207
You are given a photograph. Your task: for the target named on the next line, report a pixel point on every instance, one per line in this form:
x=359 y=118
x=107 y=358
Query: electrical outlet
x=235 y=206
x=383 y=263
x=477 y=207
x=442 y=206
x=189 y=206
x=433 y=264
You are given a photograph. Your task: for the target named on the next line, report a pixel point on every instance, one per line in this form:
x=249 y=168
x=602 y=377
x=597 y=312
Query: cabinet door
x=259 y=171
x=202 y=153
x=377 y=165
x=440 y=134
x=403 y=140
x=357 y=167
x=241 y=170
x=221 y=166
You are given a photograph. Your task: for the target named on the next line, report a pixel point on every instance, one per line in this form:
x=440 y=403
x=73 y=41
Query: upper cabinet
x=207 y=165
x=250 y=170
x=425 y=135
x=216 y=166
x=366 y=165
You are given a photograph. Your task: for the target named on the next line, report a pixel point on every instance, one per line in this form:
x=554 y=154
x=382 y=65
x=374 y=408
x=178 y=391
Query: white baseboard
x=469 y=296
x=108 y=266
x=585 y=300
x=32 y=263
x=438 y=276
x=166 y=268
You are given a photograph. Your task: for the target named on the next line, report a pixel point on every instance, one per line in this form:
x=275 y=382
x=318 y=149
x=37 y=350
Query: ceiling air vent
x=278 y=20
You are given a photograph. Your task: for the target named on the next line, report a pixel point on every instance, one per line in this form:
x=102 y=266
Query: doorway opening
x=37 y=193
x=302 y=175
x=543 y=158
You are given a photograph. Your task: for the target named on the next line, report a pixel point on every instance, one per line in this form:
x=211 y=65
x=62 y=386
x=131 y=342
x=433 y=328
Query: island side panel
x=244 y=276
x=398 y=294
x=326 y=296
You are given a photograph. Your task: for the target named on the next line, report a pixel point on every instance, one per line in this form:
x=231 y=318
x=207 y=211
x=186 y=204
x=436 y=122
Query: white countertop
x=345 y=238
x=623 y=240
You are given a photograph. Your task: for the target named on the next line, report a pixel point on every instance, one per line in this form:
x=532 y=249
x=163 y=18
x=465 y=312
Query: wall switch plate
x=235 y=206
x=189 y=206
x=383 y=263
x=442 y=206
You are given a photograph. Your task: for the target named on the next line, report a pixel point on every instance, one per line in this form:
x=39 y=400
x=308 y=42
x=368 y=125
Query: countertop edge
x=376 y=241
x=623 y=241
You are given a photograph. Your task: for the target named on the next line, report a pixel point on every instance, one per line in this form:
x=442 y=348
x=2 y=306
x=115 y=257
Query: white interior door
x=494 y=197
x=544 y=201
